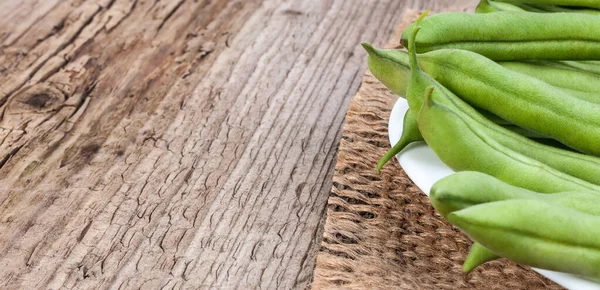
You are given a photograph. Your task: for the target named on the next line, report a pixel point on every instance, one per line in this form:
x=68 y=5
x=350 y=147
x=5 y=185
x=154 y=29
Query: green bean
x=525 y=101
x=575 y=164
x=400 y=79
x=463 y=146
x=392 y=69
x=551 y=187
x=468 y=188
x=464 y=189
x=536 y=233
x=470 y=150
x=391 y=73
x=410 y=134
x=574 y=3
x=573 y=80
x=589 y=66
x=510 y=35
x=488 y=6
x=478 y=255
x=390 y=66
x=578 y=165
x=554 y=9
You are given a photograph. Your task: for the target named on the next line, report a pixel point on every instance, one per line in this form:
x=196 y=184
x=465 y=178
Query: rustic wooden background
x=174 y=144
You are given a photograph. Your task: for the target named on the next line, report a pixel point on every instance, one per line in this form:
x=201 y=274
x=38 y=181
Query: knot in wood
x=38 y=98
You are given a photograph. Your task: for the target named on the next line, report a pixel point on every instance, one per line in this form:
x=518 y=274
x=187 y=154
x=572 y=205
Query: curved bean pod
x=411 y=134
x=494 y=35
x=576 y=164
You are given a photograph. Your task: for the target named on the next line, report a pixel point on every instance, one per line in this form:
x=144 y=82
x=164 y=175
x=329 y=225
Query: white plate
x=424 y=168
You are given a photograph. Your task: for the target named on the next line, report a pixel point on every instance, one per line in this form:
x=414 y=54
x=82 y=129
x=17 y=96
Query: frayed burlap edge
x=381 y=231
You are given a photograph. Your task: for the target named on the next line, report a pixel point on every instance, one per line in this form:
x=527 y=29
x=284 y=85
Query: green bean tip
x=368 y=47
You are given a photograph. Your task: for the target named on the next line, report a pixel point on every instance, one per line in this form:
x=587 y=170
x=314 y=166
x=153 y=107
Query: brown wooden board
x=381 y=231
x=174 y=143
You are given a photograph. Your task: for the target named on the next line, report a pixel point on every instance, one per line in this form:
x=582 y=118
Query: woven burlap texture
x=381 y=231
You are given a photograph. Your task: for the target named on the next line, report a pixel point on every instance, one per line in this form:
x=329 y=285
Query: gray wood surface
x=174 y=144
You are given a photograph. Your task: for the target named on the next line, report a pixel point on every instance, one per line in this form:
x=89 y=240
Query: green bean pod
x=478 y=255
x=574 y=3
x=410 y=134
x=523 y=100
x=464 y=189
x=569 y=79
x=587 y=65
x=511 y=35
x=390 y=66
x=468 y=188
x=488 y=6
x=536 y=233
x=464 y=147
x=541 y=8
x=575 y=164
x=392 y=69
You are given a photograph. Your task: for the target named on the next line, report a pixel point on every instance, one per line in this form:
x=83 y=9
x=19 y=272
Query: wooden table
x=174 y=144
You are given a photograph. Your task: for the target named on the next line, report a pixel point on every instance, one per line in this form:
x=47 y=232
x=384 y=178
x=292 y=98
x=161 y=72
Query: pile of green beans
x=509 y=98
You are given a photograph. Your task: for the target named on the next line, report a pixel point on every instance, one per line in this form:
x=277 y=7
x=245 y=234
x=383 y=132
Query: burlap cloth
x=381 y=231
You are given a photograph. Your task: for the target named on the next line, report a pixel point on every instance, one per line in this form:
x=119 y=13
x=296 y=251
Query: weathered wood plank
x=173 y=143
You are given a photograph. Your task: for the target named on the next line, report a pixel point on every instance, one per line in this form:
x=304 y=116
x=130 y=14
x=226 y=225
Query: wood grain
x=174 y=144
